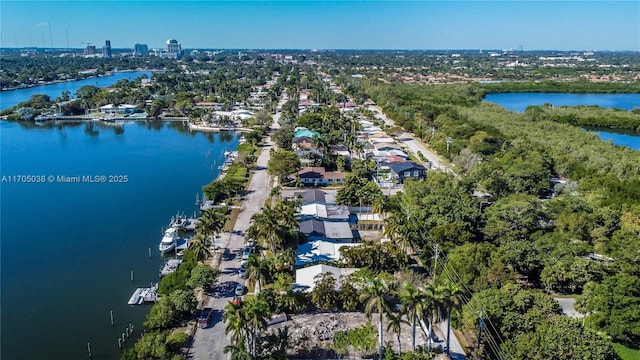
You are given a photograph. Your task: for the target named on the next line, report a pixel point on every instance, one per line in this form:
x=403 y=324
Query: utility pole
x=435 y=262
x=480 y=326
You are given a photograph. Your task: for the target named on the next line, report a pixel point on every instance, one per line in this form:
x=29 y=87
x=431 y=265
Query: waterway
x=68 y=248
x=519 y=102
x=11 y=98
x=630 y=140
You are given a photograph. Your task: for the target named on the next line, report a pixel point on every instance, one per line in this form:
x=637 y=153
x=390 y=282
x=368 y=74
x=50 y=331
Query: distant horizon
x=348 y=25
x=334 y=49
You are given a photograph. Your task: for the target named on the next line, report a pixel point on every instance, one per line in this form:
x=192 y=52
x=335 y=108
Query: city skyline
x=426 y=25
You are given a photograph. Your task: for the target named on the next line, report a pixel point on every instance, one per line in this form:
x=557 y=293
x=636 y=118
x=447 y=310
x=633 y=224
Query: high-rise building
x=90 y=50
x=106 y=49
x=140 y=50
x=174 y=48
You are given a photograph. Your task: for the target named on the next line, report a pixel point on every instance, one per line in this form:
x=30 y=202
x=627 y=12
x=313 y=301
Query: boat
x=178 y=221
x=190 y=224
x=169 y=240
x=170 y=266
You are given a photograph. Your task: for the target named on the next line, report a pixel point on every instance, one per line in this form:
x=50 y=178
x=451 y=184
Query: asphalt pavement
x=209 y=343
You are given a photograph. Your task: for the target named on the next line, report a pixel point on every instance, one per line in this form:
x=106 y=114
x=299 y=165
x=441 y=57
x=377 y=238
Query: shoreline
x=54 y=82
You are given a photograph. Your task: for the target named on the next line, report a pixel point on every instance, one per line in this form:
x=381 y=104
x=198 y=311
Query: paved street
x=413 y=145
x=457 y=353
x=209 y=343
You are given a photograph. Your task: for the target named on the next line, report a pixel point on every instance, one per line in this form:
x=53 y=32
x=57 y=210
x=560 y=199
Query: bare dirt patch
x=312 y=334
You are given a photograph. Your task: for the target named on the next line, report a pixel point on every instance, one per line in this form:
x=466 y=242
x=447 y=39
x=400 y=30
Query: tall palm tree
x=395 y=324
x=257 y=312
x=201 y=246
x=375 y=296
x=238 y=351
x=433 y=308
x=211 y=221
x=286 y=212
x=266 y=229
x=398 y=229
x=413 y=302
x=235 y=318
x=257 y=270
x=451 y=297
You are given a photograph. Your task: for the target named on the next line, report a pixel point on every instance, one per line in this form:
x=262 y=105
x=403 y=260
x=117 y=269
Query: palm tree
x=276 y=192
x=451 y=296
x=211 y=221
x=395 y=325
x=257 y=312
x=236 y=320
x=374 y=294
x=257 y=270
x=413 y=302
x=286 y=212
x=201 y=246
x=266 y=229
x=398 y=229
x=238 y=351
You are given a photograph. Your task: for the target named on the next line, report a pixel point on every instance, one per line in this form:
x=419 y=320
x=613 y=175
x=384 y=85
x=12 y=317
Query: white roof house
x=120 y=109
x=306 y=277
x=319 y=250
x=324 y=211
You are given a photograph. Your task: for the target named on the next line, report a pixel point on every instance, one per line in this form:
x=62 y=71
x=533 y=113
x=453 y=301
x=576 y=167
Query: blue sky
x=560 y=25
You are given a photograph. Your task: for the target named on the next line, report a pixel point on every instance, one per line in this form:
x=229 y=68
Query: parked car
x=240 y=289
x=204 y=318
x=242 y=271
x=226 y=255
x=246 y=252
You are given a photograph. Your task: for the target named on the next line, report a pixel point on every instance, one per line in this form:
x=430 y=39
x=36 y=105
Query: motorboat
x=178 y=221
x=169 y=240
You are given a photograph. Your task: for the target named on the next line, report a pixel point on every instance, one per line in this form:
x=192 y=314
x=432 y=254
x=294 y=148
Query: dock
x=144 y=295
x=170 y=266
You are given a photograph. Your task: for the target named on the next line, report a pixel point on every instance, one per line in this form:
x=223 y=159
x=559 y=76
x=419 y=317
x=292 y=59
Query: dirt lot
x=312 y=333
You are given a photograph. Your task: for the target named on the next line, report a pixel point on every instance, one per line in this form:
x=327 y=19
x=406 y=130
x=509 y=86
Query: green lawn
x=626 y=353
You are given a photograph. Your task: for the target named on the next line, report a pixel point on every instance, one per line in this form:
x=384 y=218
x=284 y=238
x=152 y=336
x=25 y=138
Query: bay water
x=12 y=98
x=68 y=248
x=520 y=101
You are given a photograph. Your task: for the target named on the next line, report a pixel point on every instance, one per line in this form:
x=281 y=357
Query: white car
x=240 y=289
x=246 y=252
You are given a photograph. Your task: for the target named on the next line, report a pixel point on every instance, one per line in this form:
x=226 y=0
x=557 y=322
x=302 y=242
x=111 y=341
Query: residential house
x=386 y=146
x=314 y=196
x=318 y=176
x=328 y=212
x=118 y=109
x=326 y=230
x=306 y=277
x=407 y=170
x=320 y=250
x=302 y=131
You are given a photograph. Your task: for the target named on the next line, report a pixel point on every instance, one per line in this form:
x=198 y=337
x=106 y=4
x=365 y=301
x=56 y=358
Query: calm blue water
x=520 y=101
x=68 y=248
x=11 y=98
x=630 y=141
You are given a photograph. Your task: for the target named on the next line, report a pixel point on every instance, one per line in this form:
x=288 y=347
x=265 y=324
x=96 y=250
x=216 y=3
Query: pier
x=144 y=295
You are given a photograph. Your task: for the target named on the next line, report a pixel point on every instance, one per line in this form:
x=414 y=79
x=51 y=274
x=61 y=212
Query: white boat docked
x=178 y=221
x=169 y=240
